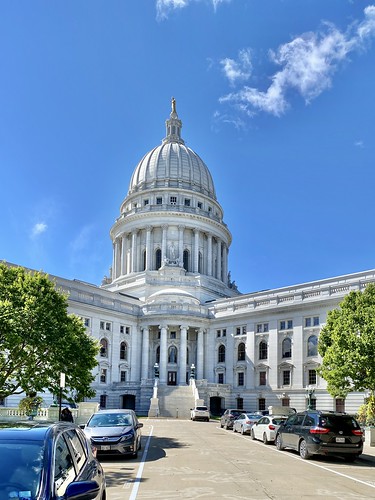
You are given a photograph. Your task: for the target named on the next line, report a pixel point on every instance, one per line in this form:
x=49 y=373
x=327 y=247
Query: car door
x=287 y=430
x=295 y=431
x=63 y=467
x=259 y=426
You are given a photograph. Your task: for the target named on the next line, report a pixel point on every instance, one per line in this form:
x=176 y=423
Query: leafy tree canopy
x=39 y=339
x=347 y=344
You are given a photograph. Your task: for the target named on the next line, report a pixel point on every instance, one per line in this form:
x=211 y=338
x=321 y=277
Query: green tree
x=347 y=345
x=39 y=339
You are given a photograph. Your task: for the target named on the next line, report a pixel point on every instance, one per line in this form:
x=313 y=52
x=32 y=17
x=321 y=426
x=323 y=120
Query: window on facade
x=103 y=348
x=2 y=401
x=145 y=202
x=103 y=401
x=286 y=324
x=123 y=351
x=122 y=376
x=86 y=322
x=263 y=350
x=312 y=345
x=103 y=375
x=187 y=202
x=286 y=377
x=220 y=378
x=172 y=335
x=262 y=378
x=261 y=404
x=241 y=378
x=158 y=259
x=239 y=403
x=199 y=204
x=122 y=329
x=173 y=200
x=105 y=325
x=200 y=262
x=287 y=348
x=224 y=332
x=312 y=321
x=127 y=330
x=172 y=354
x=340 y=405
x=144 y=260
x=285 y=402
x=158 y=354
x=218 y=333
x=312 y=377
x=221 y=354
x=159 y=201
x=241 y=352
x=186 y=260
x=262 y=328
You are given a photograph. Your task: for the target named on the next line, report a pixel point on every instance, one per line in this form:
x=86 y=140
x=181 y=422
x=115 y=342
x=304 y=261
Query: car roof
x=120 y=410
x=27 y=431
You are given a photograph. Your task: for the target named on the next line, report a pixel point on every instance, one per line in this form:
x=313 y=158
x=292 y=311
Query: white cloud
x=238 y=70
x=359 y=144
x=308 y=64
x=164 y=7
x=38 y=228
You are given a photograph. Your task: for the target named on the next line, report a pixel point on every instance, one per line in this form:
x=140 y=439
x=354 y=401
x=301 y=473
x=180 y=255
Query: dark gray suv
x=228 y=417
x=316 y=432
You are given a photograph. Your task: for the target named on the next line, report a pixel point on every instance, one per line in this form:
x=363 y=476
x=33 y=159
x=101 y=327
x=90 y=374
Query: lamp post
x=156 y=370
x=62 y=385
x=192 y=371
x=309 y=396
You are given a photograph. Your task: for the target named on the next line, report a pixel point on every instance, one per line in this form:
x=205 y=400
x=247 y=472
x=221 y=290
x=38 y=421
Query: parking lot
x=185 y=459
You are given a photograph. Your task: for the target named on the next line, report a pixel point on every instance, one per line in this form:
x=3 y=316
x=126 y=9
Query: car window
x=295 y=420
x=242 y=416
x=262 y=421
x=278 y=421
x=64 y=472
x=201 y=408
x=309 y=421
x=77 y=448
x=339 y=422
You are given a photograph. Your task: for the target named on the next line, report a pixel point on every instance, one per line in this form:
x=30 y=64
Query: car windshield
x=278 y=420
x=110 y=420
x=21 y=466
x=201 y=408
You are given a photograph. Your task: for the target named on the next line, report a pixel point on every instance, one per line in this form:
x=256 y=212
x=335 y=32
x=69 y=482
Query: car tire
x=265 y=440
x=252 y=434
x=207 y=419
x=221 y=425
x=226 y=426
x=234 y=429
x=242 y=431
x=303 y=452
x=279 y=442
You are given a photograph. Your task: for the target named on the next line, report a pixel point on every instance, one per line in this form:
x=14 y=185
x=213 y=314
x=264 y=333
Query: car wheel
x=207 y=419
x=252 y=435
x=226 y=426
x=242 y=430
x=303 y=453
x=221 y=425
x=279 y=442
x=234 y=429
x=265 y=440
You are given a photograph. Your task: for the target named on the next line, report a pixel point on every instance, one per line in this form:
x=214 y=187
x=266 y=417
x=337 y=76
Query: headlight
x=128 y=436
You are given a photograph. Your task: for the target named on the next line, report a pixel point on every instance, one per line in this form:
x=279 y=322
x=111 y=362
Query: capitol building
x=169 y=312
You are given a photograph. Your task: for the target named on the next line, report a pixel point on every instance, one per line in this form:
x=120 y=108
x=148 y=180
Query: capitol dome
x=172 y=164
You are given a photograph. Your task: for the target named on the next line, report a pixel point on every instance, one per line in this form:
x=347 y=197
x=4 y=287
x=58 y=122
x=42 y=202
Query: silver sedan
x=244 y=422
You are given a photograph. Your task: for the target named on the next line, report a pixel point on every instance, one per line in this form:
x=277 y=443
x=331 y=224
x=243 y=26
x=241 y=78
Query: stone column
x=182 y=355
x=134 y=252
x=200 y=354
x=135 y=357
x=219 y=275
x=114 y=260
x=123 y=253
x=163 y=354
x=148 y=248
x=196 y=250
x=211 y=357
x=181 y=244
x=164 y=244
x=225 y=264
x=209 y=254
x=145 y=352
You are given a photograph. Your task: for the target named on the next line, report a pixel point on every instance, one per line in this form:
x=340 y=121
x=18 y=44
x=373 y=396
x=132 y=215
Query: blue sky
x=276 y=96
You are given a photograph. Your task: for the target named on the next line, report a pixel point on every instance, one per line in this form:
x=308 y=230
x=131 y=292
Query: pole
x=62 y=385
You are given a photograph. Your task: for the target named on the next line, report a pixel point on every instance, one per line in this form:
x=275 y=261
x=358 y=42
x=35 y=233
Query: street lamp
x=156 y=370
x=192 y=371
x=62 y=385
x=309 y=396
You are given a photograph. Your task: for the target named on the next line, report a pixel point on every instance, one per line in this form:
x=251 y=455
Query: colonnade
x=136 y=251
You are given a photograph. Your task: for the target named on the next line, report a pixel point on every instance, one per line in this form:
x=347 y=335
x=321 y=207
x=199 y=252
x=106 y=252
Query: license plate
x=340 y=440
x=104 y=447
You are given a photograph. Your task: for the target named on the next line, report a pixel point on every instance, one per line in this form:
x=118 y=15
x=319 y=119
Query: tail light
x=319 y=430
x=271 y=427
x=248 y=422
x=357 y=432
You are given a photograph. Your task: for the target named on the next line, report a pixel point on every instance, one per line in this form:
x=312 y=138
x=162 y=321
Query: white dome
x=172 y=165
x=172 y=295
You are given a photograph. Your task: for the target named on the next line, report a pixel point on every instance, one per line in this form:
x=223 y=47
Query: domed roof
x=172 y=164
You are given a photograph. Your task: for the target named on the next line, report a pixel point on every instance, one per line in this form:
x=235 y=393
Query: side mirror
x=82 y=489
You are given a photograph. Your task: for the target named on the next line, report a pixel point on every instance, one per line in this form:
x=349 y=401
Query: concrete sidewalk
x=368 y=454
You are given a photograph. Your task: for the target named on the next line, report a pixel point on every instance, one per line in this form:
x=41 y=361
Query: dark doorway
x=128 y=401
x=215 y=406
x=172 y=378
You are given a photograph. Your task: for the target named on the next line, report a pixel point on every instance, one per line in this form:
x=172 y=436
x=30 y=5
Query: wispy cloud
x=38 y=228
x=164 y=7
x=359 y=144
x=238 y=70
x=308 y=64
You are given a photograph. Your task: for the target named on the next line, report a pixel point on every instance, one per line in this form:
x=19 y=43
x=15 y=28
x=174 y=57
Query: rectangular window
x=122 y=329
x=286 y=324
x=103 y=401
x=127 y=330
x=173 y=200
x=262 y=378
x=238 y=330
x=244 y=330
x=220 y=378
x=145 y=202
x=261 y=404
x=241 y=378
x=105 y=325
x=239 y=403
x=218 y=333
x=316 y=321
x=312 y=377
x=86 y=322
x=285 y=402
x=286 y=377
x=200 y=204
x=340 y=405
x=103 y=375
x=224 y=332
x=312 y=321
x=159 y=201
x=187 y=202
x=173 y=335
x=123 y=376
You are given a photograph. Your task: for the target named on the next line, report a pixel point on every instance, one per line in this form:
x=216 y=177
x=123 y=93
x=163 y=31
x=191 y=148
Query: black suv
x=314 y=432
x=228 y=418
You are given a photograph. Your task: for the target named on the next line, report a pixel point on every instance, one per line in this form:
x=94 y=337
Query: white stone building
x=169 y=300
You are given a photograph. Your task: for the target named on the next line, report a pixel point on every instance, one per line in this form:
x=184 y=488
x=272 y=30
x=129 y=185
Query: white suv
x=200 y=413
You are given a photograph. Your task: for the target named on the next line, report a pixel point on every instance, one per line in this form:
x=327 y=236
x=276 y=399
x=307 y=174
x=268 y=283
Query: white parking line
x=138 y=477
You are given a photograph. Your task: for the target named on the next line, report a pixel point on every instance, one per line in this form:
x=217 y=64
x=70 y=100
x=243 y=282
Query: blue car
x=48 y=462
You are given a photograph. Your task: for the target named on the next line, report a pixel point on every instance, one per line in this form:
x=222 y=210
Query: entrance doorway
x=128 y=401
x=172 y=378
x=215 y=406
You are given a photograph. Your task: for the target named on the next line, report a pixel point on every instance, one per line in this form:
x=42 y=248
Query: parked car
x=114 y=432
x=316 y=432
x=244 y=422
x=265 y=428
x=200 y=413
x=48 y=461
x=228 y=417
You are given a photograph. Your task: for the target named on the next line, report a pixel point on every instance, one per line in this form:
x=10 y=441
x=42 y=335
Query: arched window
x=144 y=260
x=104 y=348
x=158 y=259
x=287 y=348
x=158 y=354
x=221 y=354
x=186 y=260
x=200 y=260
x=123 y=351
x=241 y=352
x=263 y=350
x=312 y=345
x=172 y=354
